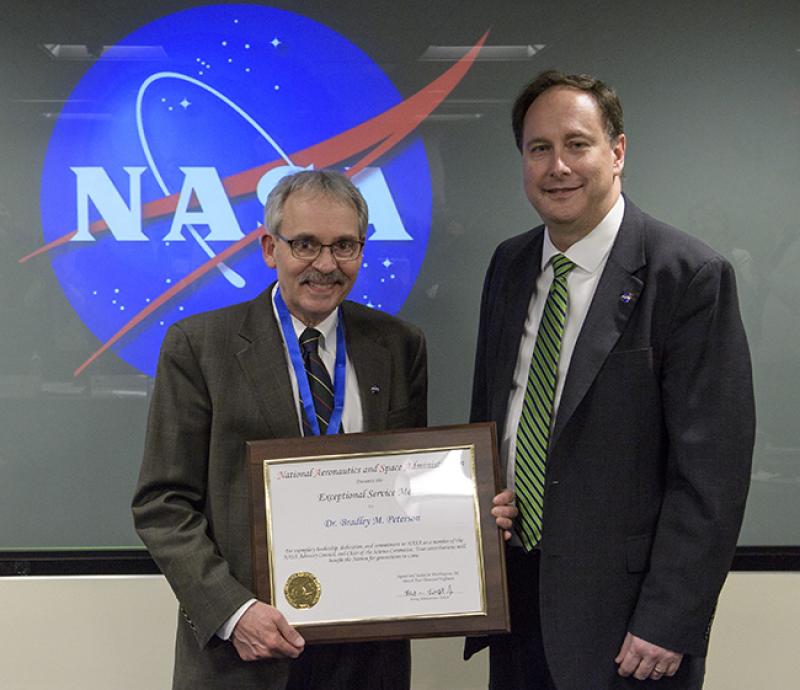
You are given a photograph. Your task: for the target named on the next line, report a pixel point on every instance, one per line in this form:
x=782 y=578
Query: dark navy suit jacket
x=649 y=459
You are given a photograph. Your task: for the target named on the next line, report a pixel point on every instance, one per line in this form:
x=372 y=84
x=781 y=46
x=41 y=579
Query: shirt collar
x=589 y=253
x=327 y=327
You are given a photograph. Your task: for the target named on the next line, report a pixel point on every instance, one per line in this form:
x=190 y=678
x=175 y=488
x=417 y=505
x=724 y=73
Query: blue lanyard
x=339 y=374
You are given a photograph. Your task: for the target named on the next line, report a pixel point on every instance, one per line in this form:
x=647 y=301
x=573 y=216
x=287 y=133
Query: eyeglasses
x=309 y=248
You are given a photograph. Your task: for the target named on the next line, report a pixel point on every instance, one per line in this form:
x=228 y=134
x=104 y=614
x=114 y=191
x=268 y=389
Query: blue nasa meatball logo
x=160 y=162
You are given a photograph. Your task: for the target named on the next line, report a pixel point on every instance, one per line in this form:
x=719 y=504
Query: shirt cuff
x=226 y=629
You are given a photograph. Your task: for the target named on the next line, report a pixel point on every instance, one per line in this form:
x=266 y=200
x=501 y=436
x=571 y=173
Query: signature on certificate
x=443 y=592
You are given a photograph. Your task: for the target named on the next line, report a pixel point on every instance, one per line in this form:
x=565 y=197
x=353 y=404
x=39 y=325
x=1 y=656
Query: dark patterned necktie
x=319 y=381
x=533 y=432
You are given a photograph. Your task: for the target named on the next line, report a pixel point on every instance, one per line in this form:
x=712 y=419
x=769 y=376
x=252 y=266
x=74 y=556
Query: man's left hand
x=642 y=660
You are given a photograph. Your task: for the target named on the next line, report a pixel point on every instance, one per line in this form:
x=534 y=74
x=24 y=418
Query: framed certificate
x=380 y=535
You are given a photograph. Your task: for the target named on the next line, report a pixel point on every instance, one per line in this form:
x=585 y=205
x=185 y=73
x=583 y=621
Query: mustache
x=312 y=275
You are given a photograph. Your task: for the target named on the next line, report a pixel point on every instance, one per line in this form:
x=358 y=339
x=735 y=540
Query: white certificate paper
x=374 y=536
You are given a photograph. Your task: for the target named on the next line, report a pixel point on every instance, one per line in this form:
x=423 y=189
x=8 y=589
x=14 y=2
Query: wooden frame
x=481 y=441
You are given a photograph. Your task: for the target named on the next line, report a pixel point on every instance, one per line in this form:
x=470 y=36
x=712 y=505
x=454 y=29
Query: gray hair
x=331 y=183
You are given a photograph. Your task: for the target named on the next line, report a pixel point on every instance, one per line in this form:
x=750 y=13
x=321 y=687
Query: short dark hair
x=331 y=183
x=605 y=97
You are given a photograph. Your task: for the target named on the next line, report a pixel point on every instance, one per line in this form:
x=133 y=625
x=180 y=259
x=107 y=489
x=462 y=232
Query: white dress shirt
x=589 y=255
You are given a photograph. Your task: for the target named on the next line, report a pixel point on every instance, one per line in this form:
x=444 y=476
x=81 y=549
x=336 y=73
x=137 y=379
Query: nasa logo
x=159 y=164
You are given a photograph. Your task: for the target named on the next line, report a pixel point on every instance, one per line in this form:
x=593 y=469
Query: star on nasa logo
x=158 y=167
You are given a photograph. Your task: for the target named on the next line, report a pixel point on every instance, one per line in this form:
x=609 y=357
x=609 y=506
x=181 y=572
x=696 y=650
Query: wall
x=116 y=633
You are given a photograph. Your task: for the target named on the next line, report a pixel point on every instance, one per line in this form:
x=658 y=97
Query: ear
x=618 y=150
x=268 y=249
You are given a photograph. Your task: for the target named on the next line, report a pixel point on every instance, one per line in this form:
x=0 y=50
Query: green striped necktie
x=533 y=432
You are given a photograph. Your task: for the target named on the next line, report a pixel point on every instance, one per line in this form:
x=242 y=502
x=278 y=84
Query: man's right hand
x=504 y=511
x=263 y=633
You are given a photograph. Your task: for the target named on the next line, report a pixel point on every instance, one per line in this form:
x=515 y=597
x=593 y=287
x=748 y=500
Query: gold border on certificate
x=469 y=448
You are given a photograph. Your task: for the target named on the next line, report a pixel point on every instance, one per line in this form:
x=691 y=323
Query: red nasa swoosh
x=383 y=132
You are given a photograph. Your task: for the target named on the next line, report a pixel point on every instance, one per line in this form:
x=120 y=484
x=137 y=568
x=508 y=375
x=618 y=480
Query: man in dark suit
x=226 y=377
x=612 y=356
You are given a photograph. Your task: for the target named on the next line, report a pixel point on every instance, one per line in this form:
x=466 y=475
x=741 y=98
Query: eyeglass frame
x=322 y=246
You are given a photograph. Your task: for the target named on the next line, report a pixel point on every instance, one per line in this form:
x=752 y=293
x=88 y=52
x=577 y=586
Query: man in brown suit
x=225 y=377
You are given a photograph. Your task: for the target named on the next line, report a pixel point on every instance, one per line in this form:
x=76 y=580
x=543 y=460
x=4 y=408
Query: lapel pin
x=374 y=390
x=627 y=297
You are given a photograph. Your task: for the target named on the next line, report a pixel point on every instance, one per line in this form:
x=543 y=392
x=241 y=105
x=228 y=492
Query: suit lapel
x=614 y=301
x=523 y=272
x=372 y=364
x=263 y=362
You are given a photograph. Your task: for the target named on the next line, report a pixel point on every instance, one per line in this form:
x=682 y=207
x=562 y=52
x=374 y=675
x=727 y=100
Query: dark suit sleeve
x=418 y=383
x=408 y=406
x=479 y=409
x=169 y=503
x=708 y=411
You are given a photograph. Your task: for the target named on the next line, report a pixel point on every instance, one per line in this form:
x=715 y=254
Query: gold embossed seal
x=302 y=590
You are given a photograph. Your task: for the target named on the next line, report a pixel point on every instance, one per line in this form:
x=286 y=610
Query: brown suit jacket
x=223 y=380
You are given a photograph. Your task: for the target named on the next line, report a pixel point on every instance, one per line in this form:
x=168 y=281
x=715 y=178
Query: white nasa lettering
x=383 y=213
x=269 y=180
x=203 y=183
x=124 y=222
x=215 y=209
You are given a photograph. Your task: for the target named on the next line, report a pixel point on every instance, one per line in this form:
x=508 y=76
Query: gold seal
x=302 y=590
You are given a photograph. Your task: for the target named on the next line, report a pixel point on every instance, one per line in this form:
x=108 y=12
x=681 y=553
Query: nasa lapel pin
x=374 y=390
x=627 y=297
